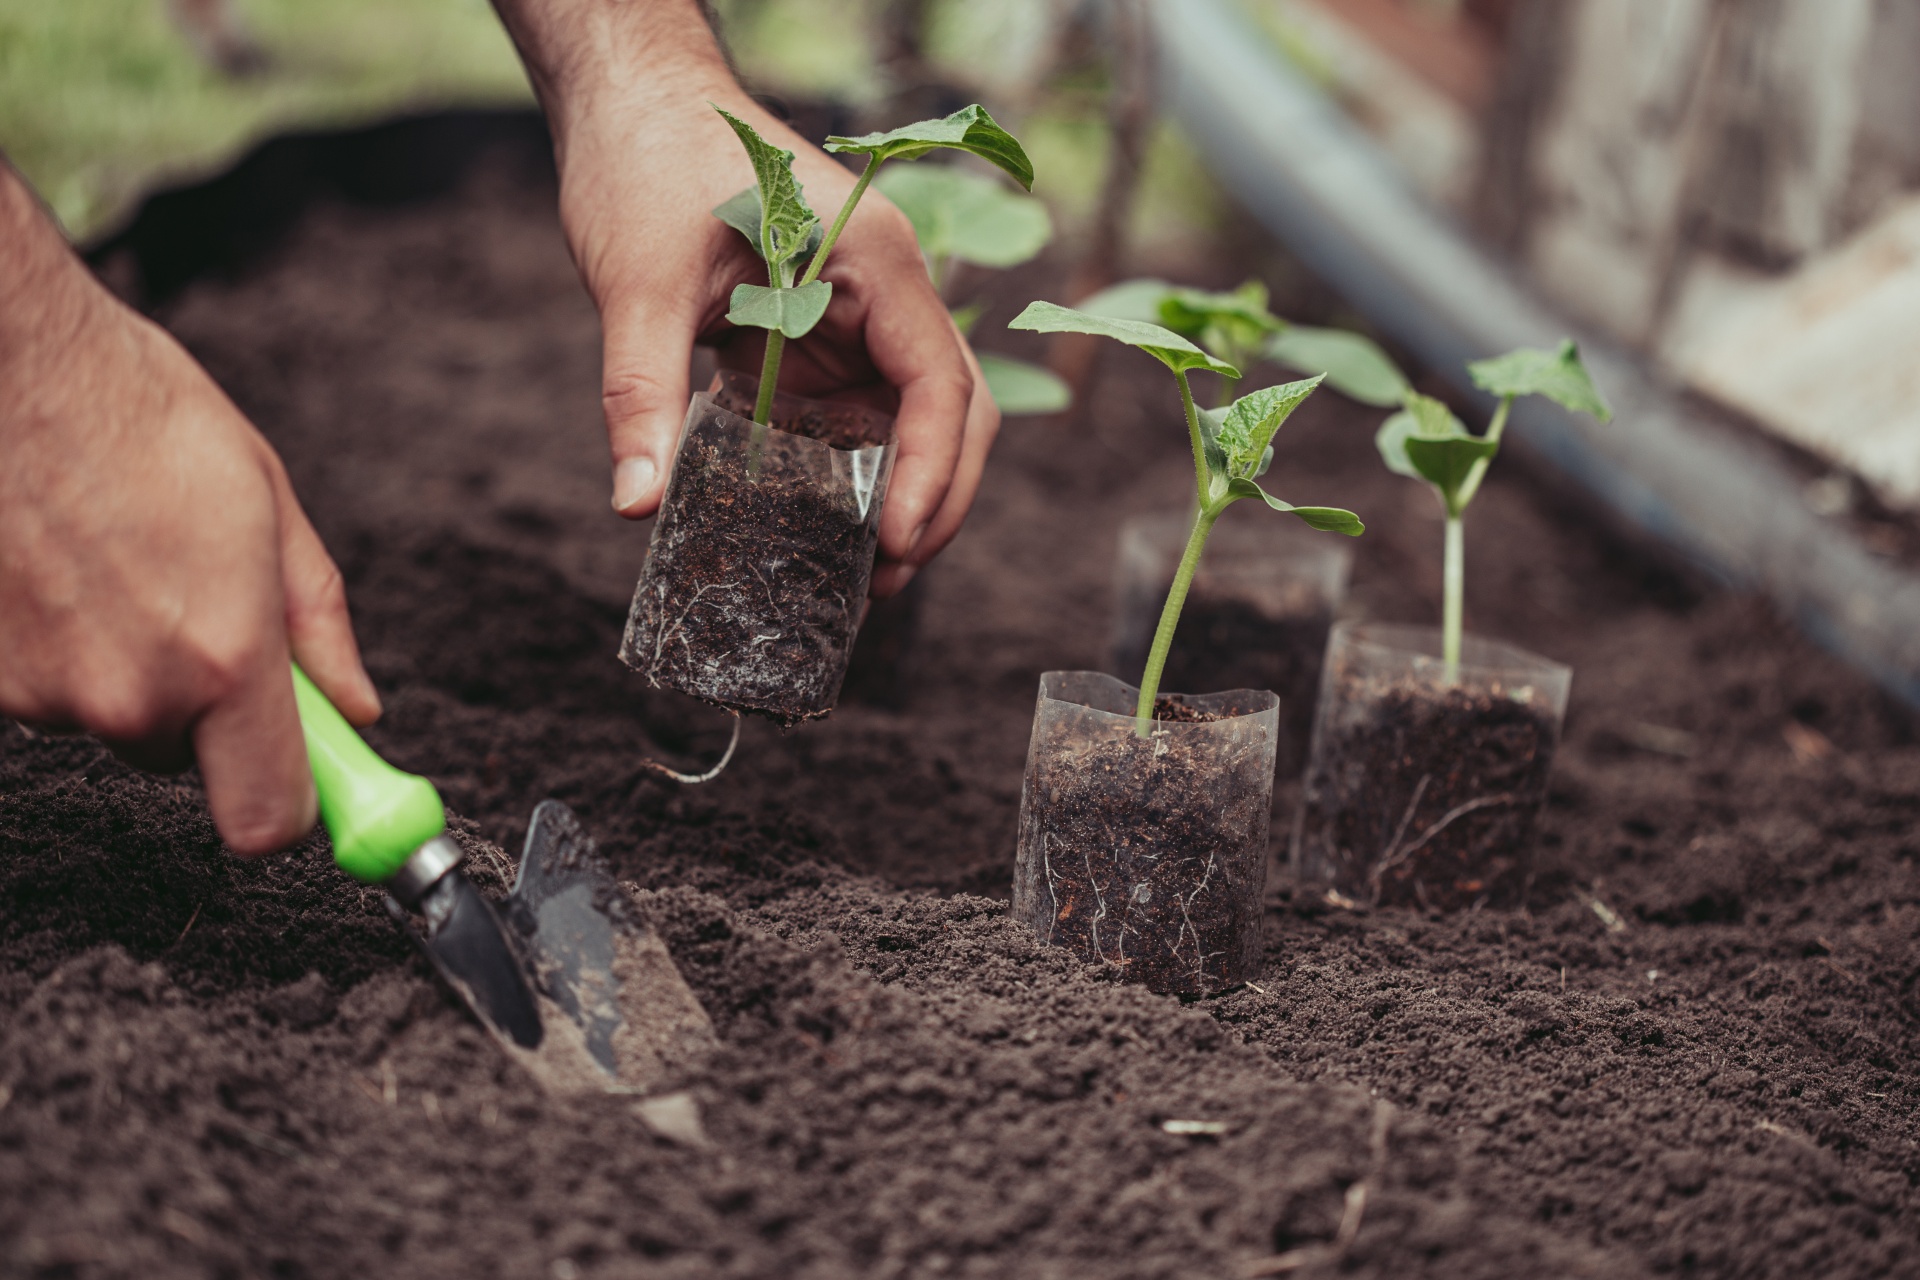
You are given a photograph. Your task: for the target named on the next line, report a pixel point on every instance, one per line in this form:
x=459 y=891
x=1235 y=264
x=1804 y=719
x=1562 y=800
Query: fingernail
x=914 y=541
x=632 y=481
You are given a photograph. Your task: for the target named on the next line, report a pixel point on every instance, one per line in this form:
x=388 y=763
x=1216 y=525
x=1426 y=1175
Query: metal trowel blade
x=466 y=944
x=564 y=906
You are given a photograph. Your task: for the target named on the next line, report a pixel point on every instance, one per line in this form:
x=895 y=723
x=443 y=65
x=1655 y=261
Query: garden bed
x=1691 y=1054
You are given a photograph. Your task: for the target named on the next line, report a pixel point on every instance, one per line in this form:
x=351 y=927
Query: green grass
x=100 y=100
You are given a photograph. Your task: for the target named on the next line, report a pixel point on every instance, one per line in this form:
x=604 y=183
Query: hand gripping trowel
x=565 y=977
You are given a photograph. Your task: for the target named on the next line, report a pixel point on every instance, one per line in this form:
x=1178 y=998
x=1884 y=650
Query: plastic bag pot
x=757 y=573
x=1148 y=853
x=1421 y=790
x=1257 y=616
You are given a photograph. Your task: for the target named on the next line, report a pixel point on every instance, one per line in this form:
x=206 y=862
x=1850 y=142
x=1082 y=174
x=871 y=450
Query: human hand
x=644 y=159
x=155 y=567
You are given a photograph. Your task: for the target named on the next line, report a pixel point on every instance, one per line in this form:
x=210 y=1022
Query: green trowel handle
x=376 y=814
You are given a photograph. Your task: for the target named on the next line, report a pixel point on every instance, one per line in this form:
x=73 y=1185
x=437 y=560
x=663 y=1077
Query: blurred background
x=1721 y=189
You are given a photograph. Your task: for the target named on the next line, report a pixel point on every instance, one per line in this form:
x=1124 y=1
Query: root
x=691 y=779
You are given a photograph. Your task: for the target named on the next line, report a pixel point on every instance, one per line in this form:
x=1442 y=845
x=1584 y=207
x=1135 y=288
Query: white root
x=693 y=779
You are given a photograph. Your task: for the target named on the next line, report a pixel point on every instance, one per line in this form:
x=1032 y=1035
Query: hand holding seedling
x=1425 y=441
x=644 y=160
x=155 y=568
x=1232 y=449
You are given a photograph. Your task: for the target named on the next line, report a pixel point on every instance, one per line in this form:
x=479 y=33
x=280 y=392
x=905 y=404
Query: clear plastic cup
x=1148 y=853
x=1257 y=615
x=756 y=577
x=1422 y=789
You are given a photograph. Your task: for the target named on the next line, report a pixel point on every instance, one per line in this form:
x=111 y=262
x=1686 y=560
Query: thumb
x=643 y=392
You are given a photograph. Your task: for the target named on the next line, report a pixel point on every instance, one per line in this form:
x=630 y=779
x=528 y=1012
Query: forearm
x=579 y=52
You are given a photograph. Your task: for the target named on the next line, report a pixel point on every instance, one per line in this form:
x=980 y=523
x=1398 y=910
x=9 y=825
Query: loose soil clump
x=1692 y=1054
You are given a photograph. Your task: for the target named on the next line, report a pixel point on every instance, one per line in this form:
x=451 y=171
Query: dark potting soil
x=757 y=574
x=1430 y=799
x=1692 y=1054
x=1149 y=854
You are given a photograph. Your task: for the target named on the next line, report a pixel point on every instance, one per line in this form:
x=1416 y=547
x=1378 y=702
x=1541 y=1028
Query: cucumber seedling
x=775 y=218
x=1232 y=449
x=1238 y=327
x=1425 y=441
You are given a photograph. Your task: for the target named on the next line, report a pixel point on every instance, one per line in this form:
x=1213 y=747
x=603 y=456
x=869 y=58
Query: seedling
x=960 y=216
x=775 y=218
x=1232 y=449
x=1427 y=442
x=1238 y=327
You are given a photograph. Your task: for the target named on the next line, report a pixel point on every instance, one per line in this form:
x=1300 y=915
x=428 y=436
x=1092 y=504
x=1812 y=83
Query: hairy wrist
x=586 y=57
x=46 y=295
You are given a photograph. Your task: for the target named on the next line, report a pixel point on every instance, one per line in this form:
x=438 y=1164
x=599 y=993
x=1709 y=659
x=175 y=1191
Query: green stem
x=763 y=404
x=769 y=379
x=1453 y=587
x=1170 y=617
x=840 y=221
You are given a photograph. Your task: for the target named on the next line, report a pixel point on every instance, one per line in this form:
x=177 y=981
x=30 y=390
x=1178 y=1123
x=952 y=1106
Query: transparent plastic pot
x=1148 y=853
x=756 y=577
x=1257 y=616
x=1423 y=790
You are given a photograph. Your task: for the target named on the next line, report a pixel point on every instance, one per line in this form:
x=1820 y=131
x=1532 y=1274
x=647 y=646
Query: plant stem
x=1453 y=589
x=1170 y=616
x=840 y=221
x=769 y=379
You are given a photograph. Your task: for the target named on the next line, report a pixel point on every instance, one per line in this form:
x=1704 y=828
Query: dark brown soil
x=1693 y=1054
x=1150 y=854
x=756 y=577
x=1428 y=798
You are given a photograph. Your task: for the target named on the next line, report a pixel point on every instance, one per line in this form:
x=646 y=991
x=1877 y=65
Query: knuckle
x=119 y=710
x=631 y=394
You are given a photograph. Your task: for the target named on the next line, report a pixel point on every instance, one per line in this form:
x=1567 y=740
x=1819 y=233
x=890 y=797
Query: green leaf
x=1328 y=519
x=1129 y=300
x=1022 y=388
x=742 y=213
x=793 y=312
x=1557 y=375
x=1211 y=421
x=1332 y=520
x=1250 y=422
x=969 y=129
x=1355 y=366
x=1426 y=442
x=1163 y=345
x=1391 y=441
x=956 y=214
x=786 y=223
x=1188 y=311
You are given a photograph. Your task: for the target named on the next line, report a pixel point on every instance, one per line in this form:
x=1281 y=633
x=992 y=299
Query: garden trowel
x=564 y=976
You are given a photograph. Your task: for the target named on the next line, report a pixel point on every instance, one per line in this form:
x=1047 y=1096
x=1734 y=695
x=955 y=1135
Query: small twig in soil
x=692 y=779
x=190 y=919
x=389 y=1083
